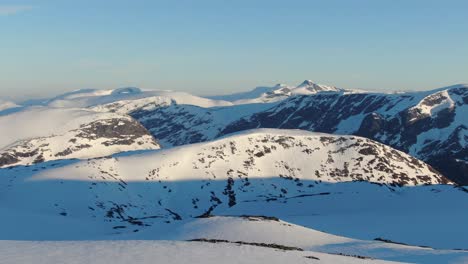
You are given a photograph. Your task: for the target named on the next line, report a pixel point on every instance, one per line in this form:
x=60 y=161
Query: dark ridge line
x=275 y=246
x=384 y=240
x=247 y=217
x=350 y=255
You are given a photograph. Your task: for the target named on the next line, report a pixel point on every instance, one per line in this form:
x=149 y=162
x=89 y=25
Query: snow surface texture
x=41 y=134
x=142 y=252
x=221 y=237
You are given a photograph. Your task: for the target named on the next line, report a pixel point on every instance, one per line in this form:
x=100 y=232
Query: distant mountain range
x=429 y=125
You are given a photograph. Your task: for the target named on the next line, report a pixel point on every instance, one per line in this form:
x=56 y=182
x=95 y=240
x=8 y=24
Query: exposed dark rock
x=175 y=215
x=275 y=246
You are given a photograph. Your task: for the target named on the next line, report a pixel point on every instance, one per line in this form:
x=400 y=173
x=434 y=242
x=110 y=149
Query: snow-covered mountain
x=176 y=124
x=429 y=125
x=137 y=100
x=199 y=179
x=92 y=97
x=253 y=94
x=309 y=87
x=281 y=92
x=277 y=93
x=41 y=134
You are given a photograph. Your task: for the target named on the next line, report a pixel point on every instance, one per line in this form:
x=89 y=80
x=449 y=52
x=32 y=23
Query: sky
x=218 y=47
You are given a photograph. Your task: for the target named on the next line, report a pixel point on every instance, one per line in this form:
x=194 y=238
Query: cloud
x=6 y=10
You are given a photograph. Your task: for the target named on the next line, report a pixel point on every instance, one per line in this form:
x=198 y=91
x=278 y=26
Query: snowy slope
x=184 y=124
x=40 y=134
x=262 y=153
x=312 y=179
x=261 y=229
x=92 y=97
x=4 y=105
x=278 y=92
x=141 y=104
x=430 y=125
x=309 y=87
x=200 y=179
x=170 y=252
x=176 y=123
x=253 y=94
x=258 y=232
x=183 y=111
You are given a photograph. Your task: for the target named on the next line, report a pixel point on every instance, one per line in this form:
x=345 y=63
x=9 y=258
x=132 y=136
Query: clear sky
x=208 y=47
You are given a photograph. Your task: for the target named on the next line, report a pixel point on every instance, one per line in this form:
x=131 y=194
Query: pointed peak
x=309 y=86
x=307 y=83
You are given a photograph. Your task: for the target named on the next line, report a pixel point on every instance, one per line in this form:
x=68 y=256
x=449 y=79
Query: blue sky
x=207 y=47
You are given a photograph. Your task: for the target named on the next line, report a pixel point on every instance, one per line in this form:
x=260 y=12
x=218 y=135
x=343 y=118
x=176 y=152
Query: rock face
x=97 y=137
x=197 y=180
x=175 y=124
x=431 y=126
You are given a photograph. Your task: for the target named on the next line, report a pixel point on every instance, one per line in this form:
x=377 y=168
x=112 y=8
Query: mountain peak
x=307 y=83
x=308 y=86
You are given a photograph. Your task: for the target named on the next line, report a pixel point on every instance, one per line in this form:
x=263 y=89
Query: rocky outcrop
x=95 y=139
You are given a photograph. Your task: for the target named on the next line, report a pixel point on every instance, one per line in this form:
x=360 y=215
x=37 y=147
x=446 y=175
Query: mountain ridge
x=402 y=119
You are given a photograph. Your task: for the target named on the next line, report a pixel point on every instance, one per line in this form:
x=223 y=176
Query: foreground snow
x=146 y=252
x=245 y=239
x=245 y=170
